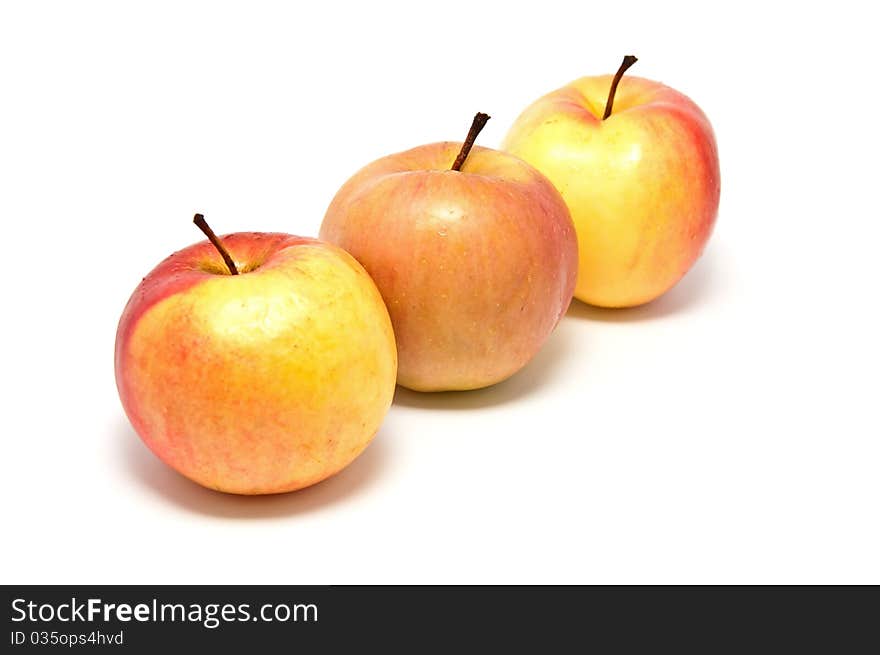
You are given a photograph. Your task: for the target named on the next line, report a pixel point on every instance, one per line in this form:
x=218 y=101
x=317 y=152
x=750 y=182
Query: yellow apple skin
x=476 y=266
x=642 y=186
x=258 y=383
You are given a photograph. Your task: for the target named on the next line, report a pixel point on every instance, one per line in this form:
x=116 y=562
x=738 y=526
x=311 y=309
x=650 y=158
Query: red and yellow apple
x=475 y=256
x=642 y=184
x=260 y=382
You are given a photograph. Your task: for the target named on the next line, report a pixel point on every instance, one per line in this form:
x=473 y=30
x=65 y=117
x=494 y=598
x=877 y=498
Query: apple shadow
x=531 y=377
x=158 y=479
x=690 y=291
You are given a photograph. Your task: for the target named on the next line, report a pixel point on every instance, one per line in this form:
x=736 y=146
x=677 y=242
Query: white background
x=726 y=433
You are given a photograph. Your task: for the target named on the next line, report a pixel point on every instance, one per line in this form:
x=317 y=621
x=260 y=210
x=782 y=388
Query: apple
x=473 y=251
x=641 y=179
x=262 y=372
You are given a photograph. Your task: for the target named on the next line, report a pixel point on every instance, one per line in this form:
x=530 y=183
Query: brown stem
x=199 y=220
x=478 y=124
x=628 y=61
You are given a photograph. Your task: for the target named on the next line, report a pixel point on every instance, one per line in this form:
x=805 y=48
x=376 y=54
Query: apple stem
x=479 y=123
x=628 y=61
x=199 y=220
